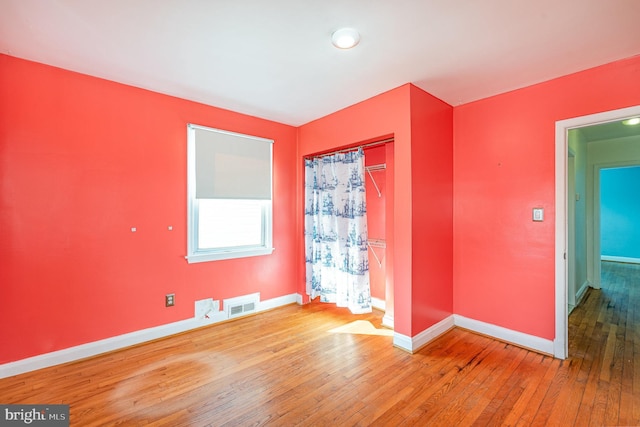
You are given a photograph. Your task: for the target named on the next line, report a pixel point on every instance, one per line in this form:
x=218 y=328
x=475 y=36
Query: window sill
x=228 y=254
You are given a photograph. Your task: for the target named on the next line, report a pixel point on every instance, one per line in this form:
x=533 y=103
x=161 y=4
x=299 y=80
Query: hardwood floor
x=285 y=367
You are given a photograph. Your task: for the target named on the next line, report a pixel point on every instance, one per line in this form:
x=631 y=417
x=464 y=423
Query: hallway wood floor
x=285 y=367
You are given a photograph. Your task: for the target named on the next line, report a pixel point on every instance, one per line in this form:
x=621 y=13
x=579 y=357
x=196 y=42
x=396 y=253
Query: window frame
x=195 y=254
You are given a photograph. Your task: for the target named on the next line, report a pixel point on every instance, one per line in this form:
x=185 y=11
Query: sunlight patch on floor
x=361 y=327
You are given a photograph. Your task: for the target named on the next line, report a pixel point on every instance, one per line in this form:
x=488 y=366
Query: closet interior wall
x=376 y=206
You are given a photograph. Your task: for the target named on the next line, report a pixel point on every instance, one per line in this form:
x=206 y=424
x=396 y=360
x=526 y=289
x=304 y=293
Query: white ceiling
x=274 y=59
x=611 y=130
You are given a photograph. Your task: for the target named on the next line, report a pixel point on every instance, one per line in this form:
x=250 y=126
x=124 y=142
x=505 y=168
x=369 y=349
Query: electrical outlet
x=169 y=300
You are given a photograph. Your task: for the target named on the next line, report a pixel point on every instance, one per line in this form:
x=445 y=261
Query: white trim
x=228 y=254
x=433 y=332
x=412 y=344
x=620 y=259
x=423 y=338
x=560 y=344
x=571 y=229
x=532 y=342
x=403 y=342
x=194 y=253
x=126 y=340
x=378 y=303
x=94 y=348
x=277 y=302
x=387 y=321
x=582 y=291
x=592 y=265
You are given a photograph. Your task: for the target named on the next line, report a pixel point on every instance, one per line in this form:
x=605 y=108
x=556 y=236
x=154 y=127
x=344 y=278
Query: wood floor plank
x=627 y=398
x=635 y=297
x=445 y=364
x=496 y=388
x=531 y=375
x=289 y=367
x=533 y=407
x=451 y=408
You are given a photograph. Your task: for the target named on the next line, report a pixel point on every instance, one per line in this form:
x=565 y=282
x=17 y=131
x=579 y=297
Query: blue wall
x=620 y=212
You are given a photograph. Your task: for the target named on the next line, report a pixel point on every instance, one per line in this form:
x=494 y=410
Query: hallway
x=604 y=345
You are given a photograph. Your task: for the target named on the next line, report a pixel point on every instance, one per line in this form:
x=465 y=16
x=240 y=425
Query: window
x=229 y=194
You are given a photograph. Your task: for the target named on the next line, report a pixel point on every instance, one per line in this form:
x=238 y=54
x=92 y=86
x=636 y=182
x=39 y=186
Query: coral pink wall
x=421 y=126
x=432 y=207
x=82 y=161
x=503 y=167
x=389 y=234
x=376 y=219
x=379 y=117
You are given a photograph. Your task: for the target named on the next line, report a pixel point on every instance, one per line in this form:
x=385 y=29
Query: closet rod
x=346 y=150
x=379 y=167
x=378 y=243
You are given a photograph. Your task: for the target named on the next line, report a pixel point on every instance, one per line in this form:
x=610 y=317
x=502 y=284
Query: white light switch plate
x=538 y=214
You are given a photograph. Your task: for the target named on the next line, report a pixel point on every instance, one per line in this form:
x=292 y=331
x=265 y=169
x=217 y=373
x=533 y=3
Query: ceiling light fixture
x=345 y=38
x=631 y=122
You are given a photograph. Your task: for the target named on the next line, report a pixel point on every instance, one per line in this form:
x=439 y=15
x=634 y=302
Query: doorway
x=563 y=218
x=619 y=210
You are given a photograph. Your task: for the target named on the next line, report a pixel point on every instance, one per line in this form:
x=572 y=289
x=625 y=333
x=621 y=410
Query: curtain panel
x=336 y=252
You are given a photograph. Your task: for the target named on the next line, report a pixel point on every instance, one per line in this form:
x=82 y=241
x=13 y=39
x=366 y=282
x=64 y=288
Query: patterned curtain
x=336 y=231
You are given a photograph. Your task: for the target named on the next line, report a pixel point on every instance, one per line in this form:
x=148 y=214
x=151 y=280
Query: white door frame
x=561 y=341
x=571 y=231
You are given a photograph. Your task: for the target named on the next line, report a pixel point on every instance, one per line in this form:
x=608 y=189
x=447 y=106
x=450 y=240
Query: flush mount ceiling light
x=345 y=38
x=631 y=122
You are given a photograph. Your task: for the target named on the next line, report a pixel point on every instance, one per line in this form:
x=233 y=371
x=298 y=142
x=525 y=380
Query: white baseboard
x=620 y=259
x=378 y=303
x=387 y=321
x=582 y=291
x=278 y=302
x=126 y=340
x=423 y=338
x=403 y=342
x=412 y=344
x=520 y=339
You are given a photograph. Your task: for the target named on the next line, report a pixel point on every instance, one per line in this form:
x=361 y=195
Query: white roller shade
x=231 y=166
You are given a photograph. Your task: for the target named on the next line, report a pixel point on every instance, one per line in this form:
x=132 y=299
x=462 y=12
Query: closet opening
x=347 y=225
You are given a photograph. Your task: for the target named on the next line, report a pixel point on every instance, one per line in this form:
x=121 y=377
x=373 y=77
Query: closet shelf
x=374 y=168
x=376 y=243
